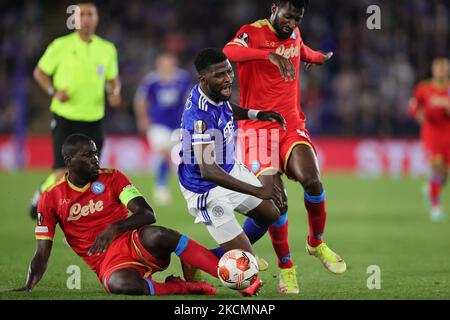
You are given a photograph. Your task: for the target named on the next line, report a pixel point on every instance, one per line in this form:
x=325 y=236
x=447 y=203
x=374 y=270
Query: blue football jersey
x=166 y=99
x=205 y=122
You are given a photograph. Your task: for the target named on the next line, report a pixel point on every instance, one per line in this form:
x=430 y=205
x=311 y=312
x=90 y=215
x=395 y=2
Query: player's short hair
x=208 y=57
x=298 y=4
x=440 y=57
x=93 y=2
x=71 y=144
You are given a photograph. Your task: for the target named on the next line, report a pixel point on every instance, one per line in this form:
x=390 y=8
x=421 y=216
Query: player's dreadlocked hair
x=299 y=4
x=70 y=145
x=207 y=57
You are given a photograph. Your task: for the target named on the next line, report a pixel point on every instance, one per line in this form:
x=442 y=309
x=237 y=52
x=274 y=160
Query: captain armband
x=129 y=193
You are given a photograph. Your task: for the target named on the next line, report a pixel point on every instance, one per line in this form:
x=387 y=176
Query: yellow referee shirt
x=80 y=68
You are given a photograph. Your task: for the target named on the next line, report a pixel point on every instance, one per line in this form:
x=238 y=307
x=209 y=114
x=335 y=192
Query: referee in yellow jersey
x=75 y=71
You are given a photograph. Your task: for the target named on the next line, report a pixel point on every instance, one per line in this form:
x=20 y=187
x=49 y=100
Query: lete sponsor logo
x=77 y=210
x=288 y=53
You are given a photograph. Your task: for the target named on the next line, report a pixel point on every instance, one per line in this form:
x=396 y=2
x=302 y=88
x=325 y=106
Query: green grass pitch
x=378 y=222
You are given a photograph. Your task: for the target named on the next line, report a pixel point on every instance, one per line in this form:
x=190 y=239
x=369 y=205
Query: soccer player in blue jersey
x=212 y=181
x=158 y=104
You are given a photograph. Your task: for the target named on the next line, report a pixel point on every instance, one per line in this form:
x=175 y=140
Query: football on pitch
x=237 y=269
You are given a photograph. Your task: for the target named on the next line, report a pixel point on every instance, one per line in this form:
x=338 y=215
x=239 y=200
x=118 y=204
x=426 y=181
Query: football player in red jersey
x=91 y=206
x=268 y=53
x=430 y=105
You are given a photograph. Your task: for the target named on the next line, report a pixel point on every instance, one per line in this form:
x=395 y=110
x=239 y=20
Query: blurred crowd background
x=364 y=91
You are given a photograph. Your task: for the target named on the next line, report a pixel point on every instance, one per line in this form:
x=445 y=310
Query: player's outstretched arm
x=38 y=265
x=142 y=215
x=240 y=113
x=211 y=171
x=237 y=53
x=312 y=57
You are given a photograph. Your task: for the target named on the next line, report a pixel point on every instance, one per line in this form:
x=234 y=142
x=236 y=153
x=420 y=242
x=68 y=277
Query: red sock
x=435 y=191
x=196 y=255
x=279 y=235
x=161 y=289
x=317 y=216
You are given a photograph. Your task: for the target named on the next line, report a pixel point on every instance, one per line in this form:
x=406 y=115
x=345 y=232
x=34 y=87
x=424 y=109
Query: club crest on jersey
x=98 y=187
x=100 y=70
x=199 y=126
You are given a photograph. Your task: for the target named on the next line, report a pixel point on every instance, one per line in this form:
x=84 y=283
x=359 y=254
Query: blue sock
x=281 y=220
x=253 y=231
x=182 y=244
x=163 y=174
x=218 y=252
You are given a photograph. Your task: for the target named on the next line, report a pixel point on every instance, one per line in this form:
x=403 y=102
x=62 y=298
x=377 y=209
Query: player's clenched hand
x=326 y=56
x=143 y=124
x=272 y=116
x=115 y=100
x=271 y=192
x=103 y=240
x=61 y=95
x=420 y=116
x=285 y=66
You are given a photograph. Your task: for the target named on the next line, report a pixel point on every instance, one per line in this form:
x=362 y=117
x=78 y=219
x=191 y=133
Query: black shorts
x=62 y=128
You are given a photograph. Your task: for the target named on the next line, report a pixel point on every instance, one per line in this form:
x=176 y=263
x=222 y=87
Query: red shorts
x=126 y=251
x=436 y=143
x=267 y=151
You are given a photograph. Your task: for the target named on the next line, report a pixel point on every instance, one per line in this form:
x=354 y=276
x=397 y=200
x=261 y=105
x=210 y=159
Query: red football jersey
x=261 y=85
x=83 y=213
x=435 y=101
